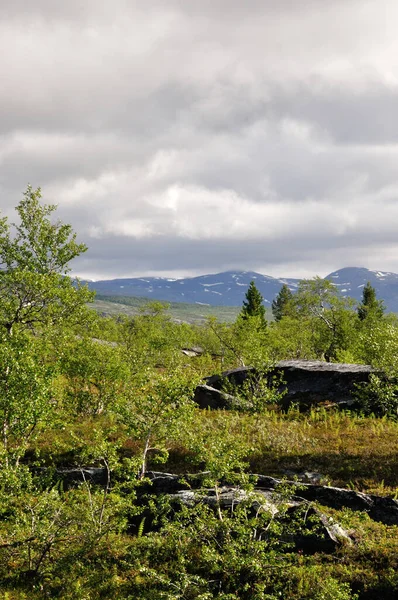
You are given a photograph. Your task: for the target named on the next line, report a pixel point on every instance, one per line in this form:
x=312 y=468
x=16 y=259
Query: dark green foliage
x=370 y=307
x=253 y=306
x=379 y=396
x=282 y=304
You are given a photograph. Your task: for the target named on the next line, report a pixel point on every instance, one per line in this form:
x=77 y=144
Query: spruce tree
x=282 y=303
x=370 y=306
x=253 y=305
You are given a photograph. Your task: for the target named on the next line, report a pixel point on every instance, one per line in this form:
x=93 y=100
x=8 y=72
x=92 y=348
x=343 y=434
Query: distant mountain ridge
x=229 y=288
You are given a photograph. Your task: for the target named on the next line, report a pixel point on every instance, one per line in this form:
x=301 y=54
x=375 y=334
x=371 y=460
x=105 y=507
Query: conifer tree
x=253 y=305
x=282 y=303
x=370 y=306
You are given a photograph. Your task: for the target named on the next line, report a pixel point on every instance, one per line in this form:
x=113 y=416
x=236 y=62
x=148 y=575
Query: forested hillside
x=92 y=406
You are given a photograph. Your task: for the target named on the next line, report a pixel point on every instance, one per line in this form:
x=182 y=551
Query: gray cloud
x=189 y=137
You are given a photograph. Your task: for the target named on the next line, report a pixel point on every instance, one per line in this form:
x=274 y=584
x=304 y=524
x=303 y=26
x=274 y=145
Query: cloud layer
x=190 y=137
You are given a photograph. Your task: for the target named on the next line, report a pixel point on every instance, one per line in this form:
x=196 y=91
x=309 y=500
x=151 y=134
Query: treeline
x=79 y=390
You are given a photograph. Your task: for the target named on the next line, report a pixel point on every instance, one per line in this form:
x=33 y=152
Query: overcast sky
x=184 y=137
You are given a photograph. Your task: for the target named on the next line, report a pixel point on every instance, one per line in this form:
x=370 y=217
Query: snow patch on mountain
x=210 y=284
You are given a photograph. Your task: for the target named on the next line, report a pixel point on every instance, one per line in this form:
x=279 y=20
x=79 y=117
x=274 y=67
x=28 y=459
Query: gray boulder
x=208 y=397
x=322 y=534
x=305 y=382
x=379 y=508
x=71 y=477
x=312 y=382
x=193 y=352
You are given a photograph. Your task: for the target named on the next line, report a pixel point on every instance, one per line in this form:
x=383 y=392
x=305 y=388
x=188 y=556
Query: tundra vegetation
x=82 y=393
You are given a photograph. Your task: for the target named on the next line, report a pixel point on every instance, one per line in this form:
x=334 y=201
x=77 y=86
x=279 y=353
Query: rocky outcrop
x=298 y=381
x=193 y=351
x=236 y=377
x=72 y=477
x=323 y=534
x=303 y=525
x=379 y=508
x=210 y=397
x=315 y=381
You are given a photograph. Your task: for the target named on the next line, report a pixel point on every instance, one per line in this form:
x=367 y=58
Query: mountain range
x=229 y=288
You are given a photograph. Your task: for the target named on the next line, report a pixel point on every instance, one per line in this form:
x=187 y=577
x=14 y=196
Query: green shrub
x=334 y=590
x=379 y=396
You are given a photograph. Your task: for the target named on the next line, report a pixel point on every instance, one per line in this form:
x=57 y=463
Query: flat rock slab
x=305 y=382
x=317 y=381
x=379 y=508
x=322 y=366
x=322 y=535
x=71 y=477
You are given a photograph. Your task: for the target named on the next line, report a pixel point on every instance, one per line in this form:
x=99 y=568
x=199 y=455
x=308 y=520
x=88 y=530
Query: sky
x=188 y=137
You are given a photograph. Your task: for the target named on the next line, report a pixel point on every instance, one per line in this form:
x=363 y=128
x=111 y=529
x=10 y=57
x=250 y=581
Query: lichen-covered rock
x=313 y=532
x=71 y=477
x=312 y=382
x=379 y=508
x=299 y=381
